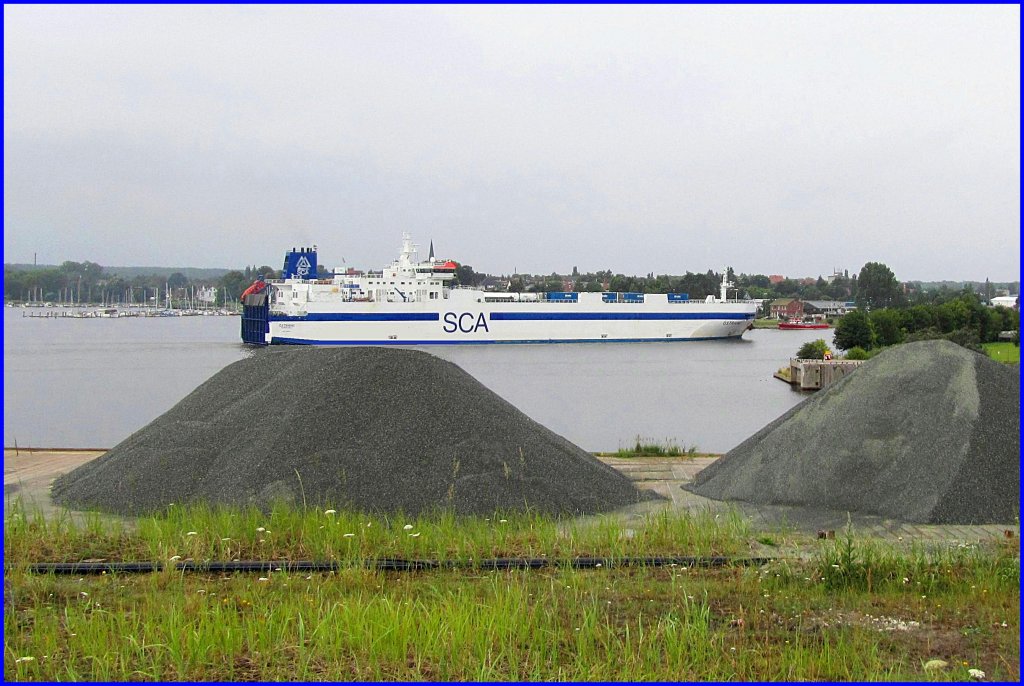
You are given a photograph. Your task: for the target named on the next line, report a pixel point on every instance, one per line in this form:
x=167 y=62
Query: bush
x=813 y=350
x=926 y=334
x=857 y=353
x=968 y=338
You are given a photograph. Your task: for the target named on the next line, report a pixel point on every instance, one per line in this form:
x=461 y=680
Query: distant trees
x=71 y=281
x=177 y=280
x=964 y=320
x=885 y=324
x=854 y=330
x=234 y=282
x=465 y=276
x=877 y=287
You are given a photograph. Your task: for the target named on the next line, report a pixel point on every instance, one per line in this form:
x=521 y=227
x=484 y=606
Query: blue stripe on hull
x=299 y=341
x=507 y=316
x=616 y=315
x=359 y=317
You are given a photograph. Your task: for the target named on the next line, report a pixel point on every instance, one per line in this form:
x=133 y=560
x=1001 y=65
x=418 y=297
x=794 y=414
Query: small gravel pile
x=926 y=432
x=371 y=429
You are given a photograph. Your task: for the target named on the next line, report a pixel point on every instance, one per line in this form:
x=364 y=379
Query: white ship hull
x=466 y=321
x=411 y=303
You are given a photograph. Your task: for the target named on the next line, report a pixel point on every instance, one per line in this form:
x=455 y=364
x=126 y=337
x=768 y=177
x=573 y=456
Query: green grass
x=644 y=447
x=1002 y=352
x=285 y=533
x=842 y=610
x=766 y=323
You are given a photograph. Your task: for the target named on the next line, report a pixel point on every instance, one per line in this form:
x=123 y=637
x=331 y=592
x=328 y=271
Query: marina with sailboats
x=196 y=302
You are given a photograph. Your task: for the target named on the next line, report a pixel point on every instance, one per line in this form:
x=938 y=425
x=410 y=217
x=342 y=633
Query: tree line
x=962 y=318
x=874 y=287
x=89 y=283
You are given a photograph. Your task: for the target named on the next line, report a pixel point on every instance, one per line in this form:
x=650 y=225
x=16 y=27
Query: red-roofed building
x=784 y=308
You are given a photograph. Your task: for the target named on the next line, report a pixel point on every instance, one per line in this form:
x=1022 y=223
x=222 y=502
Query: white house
x=1005 y=301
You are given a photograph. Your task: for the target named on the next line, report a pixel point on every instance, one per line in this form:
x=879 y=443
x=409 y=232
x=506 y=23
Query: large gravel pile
x=925 y=432
x=373 y=429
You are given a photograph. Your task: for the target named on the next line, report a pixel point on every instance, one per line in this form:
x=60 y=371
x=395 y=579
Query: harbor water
x=91 y=383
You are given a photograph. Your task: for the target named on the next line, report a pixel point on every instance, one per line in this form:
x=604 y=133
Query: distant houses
x=784 y=308
x=1011 y=301
x=827 y=308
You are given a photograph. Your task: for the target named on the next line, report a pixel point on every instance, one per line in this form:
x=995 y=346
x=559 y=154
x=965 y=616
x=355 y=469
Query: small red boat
x=806 y=324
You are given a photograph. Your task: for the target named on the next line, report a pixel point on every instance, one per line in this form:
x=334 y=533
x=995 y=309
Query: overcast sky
x=775 y=140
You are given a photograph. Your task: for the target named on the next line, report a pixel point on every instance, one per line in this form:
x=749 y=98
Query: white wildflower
x=348 y=535
x=260 y=529
x=330 y=512
x=934 y=665
x=407 y=527
x=27 y=658
x=192 y=533
x=976 y=673
x=503 y=521
x=175 y=558
x=263 y=578
x=415 y=535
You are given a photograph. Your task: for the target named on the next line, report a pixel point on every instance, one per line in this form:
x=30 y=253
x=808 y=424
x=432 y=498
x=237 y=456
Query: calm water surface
x=90 y=383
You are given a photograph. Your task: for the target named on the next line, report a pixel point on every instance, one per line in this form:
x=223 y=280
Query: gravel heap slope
x=925 y=432
x=372 y=429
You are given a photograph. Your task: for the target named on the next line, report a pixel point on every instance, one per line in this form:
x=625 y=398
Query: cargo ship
x=412 y=302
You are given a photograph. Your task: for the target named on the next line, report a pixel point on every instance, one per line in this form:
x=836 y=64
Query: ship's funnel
x=299 y=264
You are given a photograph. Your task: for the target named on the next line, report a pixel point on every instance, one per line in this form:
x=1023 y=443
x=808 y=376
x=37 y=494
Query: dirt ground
x=666 y=475
x=28 y=475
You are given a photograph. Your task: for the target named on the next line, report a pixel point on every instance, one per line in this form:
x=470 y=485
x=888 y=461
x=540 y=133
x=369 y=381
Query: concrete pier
x=813 y=375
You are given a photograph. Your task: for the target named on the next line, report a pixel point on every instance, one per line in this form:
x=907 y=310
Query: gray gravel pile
x=372 y=429
x=926 y=432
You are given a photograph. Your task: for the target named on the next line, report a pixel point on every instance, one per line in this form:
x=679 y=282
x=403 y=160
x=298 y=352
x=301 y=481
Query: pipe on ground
x=388 y=564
